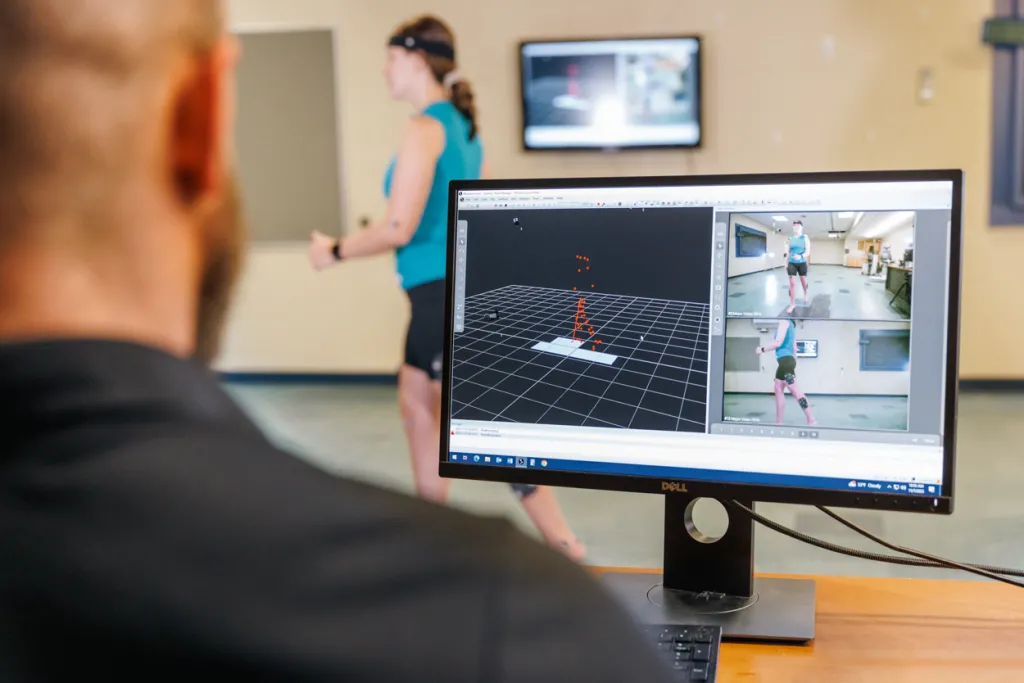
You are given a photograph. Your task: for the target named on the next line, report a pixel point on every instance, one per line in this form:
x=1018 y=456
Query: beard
x=226 y=233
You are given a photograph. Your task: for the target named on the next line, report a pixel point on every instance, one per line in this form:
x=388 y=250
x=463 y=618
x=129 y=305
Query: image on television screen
x=611 y=94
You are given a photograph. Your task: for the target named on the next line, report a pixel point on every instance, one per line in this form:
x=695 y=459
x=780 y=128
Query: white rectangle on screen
x=573 y=348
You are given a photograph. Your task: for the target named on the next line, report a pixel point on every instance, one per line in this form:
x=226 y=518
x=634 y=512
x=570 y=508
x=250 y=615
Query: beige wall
x=827 y=252
x=853 y=108
x=835 y=371
x=898 y=240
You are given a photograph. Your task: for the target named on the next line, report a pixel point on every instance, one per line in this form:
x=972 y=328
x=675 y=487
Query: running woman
x=441 y=143
x=784 y=346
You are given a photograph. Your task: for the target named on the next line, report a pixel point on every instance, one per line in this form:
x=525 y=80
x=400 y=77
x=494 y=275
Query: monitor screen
x=611 y=93
x=806 y=348
x=705 y=333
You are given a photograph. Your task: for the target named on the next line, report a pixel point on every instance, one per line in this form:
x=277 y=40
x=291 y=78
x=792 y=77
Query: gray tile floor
x=354 y=431
x=837 y=412
x=835 y=292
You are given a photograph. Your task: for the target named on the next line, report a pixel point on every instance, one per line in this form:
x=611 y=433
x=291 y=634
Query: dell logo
x=673 y=487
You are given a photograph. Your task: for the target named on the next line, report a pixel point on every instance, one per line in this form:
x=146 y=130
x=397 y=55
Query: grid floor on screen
x=644 y=365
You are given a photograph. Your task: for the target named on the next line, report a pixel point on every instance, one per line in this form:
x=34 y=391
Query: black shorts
x=795 y=269
x=787 y=366
x=424 y=340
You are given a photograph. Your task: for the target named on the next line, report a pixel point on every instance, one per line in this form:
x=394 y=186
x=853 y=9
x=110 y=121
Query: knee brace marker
x=524 y=491
x=790 y=378
x=803 y=403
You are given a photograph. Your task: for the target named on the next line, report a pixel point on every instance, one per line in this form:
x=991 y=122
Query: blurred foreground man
x=148 y=530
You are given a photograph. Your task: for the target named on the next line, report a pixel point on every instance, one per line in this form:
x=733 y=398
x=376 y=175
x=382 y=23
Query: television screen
x=611 y=94
x=806 y=348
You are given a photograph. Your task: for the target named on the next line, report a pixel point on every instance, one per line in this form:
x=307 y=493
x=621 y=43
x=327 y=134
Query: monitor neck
x=698 y=564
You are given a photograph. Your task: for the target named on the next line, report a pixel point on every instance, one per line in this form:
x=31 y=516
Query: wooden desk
x=895 y=630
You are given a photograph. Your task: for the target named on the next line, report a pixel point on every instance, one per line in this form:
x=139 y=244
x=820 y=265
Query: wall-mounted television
x=806 y=348
x=632 y=93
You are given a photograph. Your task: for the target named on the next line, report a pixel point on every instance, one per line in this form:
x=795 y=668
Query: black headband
x=430 y=47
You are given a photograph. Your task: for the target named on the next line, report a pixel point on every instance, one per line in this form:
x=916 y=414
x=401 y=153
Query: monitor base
x=780 y=610
x=709 y=580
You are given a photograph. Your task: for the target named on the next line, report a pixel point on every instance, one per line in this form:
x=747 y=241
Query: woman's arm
x=421 y=147
x=807 y=249
x=780 y=336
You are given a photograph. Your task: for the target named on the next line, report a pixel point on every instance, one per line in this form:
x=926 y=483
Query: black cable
x=949 y=564
x=861 y=554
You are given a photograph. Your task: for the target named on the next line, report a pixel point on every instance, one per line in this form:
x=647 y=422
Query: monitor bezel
x=722 y=490
x=612 y=148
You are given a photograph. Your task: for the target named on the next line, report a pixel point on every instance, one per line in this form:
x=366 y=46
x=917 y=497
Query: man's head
x=115 y=170
x=798 y=228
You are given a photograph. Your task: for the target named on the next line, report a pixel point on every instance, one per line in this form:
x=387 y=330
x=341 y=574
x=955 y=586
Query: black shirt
x=149 y=531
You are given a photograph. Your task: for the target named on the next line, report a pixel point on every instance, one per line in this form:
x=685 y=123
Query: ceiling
x=853 y=225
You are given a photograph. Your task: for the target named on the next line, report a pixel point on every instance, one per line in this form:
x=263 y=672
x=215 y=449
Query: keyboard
x=691 y=651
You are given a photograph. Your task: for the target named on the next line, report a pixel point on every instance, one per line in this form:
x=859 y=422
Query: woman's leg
x=780 y=400
x=792 y=294
x=543 y=508
x=803 y=281
x=801 y=398
x=419 y=399
x=420 y=402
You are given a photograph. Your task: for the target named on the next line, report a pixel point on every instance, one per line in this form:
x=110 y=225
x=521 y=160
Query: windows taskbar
x=716 y=476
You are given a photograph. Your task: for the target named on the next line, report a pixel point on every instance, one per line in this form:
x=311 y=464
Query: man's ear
x=203 y=110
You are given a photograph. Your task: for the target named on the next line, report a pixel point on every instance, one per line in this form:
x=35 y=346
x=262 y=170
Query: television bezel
x=613 y=148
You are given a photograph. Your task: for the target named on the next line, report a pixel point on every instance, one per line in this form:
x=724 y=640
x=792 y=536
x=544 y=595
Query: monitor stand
x=711 y=581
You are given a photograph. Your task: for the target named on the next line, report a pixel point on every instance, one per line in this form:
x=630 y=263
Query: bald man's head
x=80 y=89
x=114 y=126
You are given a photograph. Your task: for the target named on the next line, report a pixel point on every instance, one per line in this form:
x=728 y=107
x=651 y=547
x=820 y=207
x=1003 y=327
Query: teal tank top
x=797 y=247
x=424 y=258
x=788 y=347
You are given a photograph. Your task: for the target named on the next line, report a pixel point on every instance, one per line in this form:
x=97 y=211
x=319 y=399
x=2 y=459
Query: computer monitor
x=677 y=336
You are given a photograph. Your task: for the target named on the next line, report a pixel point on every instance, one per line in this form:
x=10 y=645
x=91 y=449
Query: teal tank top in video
x=788 y=347
x=797 y=247
x=424 y=258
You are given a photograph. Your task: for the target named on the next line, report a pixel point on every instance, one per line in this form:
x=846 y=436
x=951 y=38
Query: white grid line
x=690 y=372
x=527 y=315
x=651 y=381
x=555 y=367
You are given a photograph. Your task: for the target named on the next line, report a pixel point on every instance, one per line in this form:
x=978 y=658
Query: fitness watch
x=336 y=250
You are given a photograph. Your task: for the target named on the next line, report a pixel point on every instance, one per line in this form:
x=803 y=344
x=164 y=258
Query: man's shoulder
x=244 y=488
x=222 y=539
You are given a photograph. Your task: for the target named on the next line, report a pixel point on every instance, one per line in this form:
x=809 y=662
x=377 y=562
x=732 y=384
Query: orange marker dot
x=593 y=348
x=591 y=286
x=574 y=289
